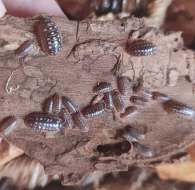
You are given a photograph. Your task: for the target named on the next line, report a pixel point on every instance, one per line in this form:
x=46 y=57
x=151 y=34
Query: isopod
x=8 y=125
x=135 y=132
x=159 y=96
x=128 y=136
x=44 y=121
x=141 y=48
x=118 y=101
x=94 y=110
x=97 y=98
x=141 y=91
x=142 y=149
x=57 y=103
x=66 y=118
x=175 y=107
x=24 y=49
x=49 y=36
x=80 y=122
x=48 y=105
x=102 y=87
x=68 y=104
x=108 y=100
x=139 y=100
x=124 y=85
x=129 y=112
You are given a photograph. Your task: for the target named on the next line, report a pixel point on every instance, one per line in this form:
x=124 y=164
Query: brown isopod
x=80 y=122
x=102 y=87
x=8 y=125
x=24 y=49
x=57 y=103
x=108 y=100
x=135 y=132
x=118 y=101
x=141 y=48
x=178 y=108
x=139 y=100
x=129 y=112
x=66 y=118
x=124 y=85
x=159 y=96
x=49 y=36
x=140 y=90
x=94 y=110
x=48 y=105
x=142 y=149
x=68 y=104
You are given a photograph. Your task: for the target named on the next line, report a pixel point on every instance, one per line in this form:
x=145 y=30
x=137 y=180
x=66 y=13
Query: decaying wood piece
x=90 y=51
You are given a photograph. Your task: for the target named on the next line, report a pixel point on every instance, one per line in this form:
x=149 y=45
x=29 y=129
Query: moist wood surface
x=89 y=52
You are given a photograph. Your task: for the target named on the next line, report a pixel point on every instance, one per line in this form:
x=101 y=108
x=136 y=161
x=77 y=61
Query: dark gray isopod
x=68 y=104
x=102 y=87
x=118 y=101
x=108 y=100
x=48 y=105
x=66 y=118
x=159 y=96
x=8 y=125
x=57 y=103
x=124 y=85
x=142 y=91
x=129 y=112
x=142 y=149
x=139 y=101
x=24 y=49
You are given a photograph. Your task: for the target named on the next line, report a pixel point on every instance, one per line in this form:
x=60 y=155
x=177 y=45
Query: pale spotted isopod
x=178 y=108
x=139 y=101
x=159 y=96
x=142 y=149
x=108 y=100
x=140 y=90
x=129 y=112
x=24 y=49
x=68 y=104
x=7 y=125
x=102 y=87
x=118 y=101
x=94 y=110
x=80 y=122
x=141 y=48
x=49 y=36
x=48 y=105
x=57 y=103
x=124 y=85
x=66 y=118
x=44 y=121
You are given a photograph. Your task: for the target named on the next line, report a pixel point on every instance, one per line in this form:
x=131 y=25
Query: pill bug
x=80 y=122
x=141 y=48
x=24 y=49
x=102 y=87
x=159 y=96
x=7 y=125
x=49 y=36
x=142 y=149
x=135 y=132
x=141 y=91
x=139 y=100
x=94 y=110
x=118 y=101
x=68 y=104
x=48 y=105
x=129 y=112
x=175 y=107
x=66 y=118
x=124 y=85
x=44 y=121
x=108 y=100
x=57 y=103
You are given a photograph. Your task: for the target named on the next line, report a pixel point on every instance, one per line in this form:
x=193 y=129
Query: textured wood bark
x=89 y=53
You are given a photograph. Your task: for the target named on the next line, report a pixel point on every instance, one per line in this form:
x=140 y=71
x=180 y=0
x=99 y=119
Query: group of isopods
x=60 y=112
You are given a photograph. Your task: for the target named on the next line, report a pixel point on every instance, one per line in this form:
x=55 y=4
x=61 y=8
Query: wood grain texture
x=90 y=49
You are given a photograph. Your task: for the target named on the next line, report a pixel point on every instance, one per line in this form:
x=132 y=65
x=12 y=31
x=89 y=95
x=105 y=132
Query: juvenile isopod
x=108 y=100
x=102 y=87
x=48 y=105
x=129 y=112
x=49 y=36
x=142 y=149
x=80 y=122
x=69 y=105
x=178 y=108
x=141 y=91
x=57 y=103
x=159 y=96
x=124 y=85
x=141 y=48
x=139 y=100
x=66 y=118
x=44 y=121
x=94 y=110
x=24 y=49
x=118 y=101
x=7 y=125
